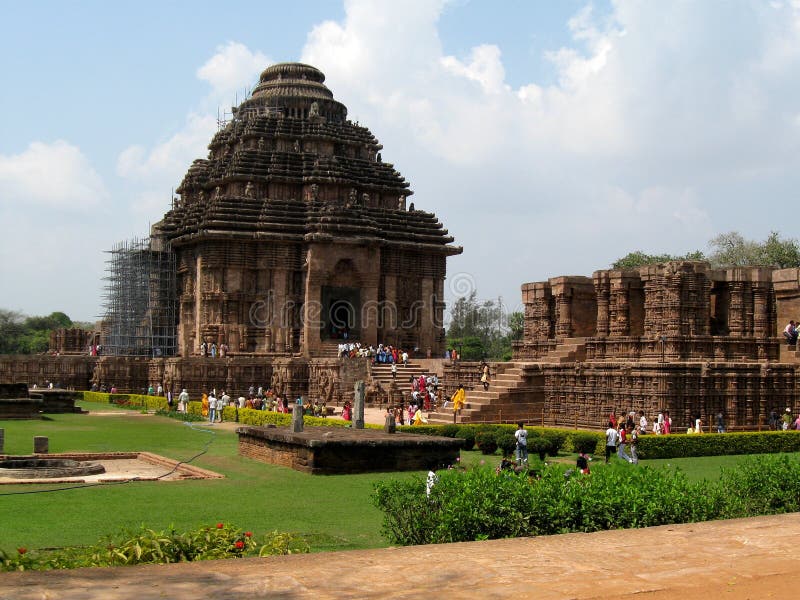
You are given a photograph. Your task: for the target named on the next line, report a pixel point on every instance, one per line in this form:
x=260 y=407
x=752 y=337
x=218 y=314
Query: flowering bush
x=147 y=546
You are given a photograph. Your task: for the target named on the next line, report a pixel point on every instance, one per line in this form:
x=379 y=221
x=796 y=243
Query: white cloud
x=172 y=156
x=53 y=174
x=664 y=122
x=152 y=172
x=231 y=69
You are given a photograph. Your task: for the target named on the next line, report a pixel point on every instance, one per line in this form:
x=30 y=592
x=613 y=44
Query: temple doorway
x=341 y=313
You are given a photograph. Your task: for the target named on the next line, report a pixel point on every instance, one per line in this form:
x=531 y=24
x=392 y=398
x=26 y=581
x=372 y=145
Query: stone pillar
x=760 y=316
x=41 y=444
x=601 y=286
x=280 y=316
x=297 y=418
x=358 y=405
x=564 y=309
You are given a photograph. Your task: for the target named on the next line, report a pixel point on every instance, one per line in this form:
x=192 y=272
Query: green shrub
x=682 y=445
x=486 y=442
x=506 y=442
x=450 y=430
x=480 y=504
x=541 y=446
x=468 y=435
x=587 y=442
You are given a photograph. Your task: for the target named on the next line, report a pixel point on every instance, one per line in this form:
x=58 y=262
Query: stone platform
x=338 y=450
x=15 y=403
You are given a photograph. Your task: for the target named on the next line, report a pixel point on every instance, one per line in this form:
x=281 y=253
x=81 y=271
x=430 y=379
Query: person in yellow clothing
x=458 y=401
x=205 y=404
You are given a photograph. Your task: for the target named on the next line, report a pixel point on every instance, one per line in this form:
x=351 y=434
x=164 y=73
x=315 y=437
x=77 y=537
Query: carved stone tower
x=294 y=231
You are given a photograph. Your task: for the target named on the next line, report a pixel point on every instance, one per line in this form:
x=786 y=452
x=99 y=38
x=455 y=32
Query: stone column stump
x=41 y=444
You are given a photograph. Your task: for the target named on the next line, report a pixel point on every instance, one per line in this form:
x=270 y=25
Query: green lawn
x=332 y=512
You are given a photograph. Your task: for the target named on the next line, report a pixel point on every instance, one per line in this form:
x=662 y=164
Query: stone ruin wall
x=679 y=336
x=584 y=396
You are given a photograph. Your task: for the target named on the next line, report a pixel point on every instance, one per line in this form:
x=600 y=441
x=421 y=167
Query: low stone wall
x=336 y=450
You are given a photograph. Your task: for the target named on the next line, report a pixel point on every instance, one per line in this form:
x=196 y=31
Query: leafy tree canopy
x=482 y=329
x=728 y=250
x=28 y=335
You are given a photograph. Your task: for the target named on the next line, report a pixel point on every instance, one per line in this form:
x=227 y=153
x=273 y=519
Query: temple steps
x=515 y=394
x=382 y=373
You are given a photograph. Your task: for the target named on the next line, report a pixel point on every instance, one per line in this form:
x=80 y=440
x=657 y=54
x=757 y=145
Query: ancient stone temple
x=294 y=232
x=678 y=336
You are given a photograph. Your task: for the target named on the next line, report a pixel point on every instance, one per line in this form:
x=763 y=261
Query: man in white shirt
x=212 y=408
x=611 y=441
x=522 y=444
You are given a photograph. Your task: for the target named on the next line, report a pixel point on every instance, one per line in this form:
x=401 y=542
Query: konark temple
x=294 y=235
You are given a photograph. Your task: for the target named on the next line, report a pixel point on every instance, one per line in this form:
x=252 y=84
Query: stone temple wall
x=678 y=336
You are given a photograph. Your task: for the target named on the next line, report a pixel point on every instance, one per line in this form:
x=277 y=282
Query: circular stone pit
x=33 y=467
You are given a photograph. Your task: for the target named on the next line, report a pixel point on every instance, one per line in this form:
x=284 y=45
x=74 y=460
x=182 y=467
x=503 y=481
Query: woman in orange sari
x=205 y=404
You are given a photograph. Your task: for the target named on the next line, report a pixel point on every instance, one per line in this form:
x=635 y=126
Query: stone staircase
x=516 y=390
x=569 y=350
x=515 y=394
x=382 y=373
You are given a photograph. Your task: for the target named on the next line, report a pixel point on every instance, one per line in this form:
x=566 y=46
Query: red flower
x=239 y=544
x=248 y=534
x=22 y=550
x=220 y=526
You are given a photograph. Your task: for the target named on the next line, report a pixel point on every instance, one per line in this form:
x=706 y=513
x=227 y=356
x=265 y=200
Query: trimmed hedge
x=128 y=400
x=714 y=444
x=481 y=504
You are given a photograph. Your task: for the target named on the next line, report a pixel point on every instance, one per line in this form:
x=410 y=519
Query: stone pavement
x=735 y=560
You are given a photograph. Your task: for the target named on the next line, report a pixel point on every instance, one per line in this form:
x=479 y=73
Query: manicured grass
x=332 y=512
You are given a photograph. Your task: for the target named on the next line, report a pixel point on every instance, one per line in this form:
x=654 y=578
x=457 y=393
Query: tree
x=28 y=335
x=481 y=329
x=733 y=250
x=639 y=259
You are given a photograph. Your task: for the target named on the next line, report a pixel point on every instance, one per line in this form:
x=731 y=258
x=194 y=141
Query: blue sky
x=550 y=137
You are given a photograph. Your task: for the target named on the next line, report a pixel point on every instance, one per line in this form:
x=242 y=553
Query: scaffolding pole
x=140 y=299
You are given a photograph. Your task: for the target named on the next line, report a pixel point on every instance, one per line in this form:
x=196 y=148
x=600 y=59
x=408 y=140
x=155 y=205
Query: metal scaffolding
x=141 y=299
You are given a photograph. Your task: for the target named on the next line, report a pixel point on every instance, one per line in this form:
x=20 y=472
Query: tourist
x=720 y=422
x=160 y=390
x=394 y=371
x=430 y=482
x=418 y=419
x=485 y=375
x=205 y=405
x=226 y=400
x=611 y=441
x=347 y=411
x=213 y=350
x=183 y=401
x=459 y=398
x=666 y=426
x=623 y=443
x=642 y=422
x=405 y=358
x=150 y=390
x=212 y=408
x=633 y=441
x=521 y=451
x=698 y=424
x=582 y=463
x=169 y=400
x=203 y=349
x=787 y=419
x=797 y=423
x=790 y=333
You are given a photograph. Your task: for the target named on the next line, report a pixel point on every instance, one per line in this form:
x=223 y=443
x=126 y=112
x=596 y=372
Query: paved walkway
x=735 y=560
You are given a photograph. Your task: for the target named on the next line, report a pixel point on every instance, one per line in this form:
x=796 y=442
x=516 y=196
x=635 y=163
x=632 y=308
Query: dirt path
x=735 y=560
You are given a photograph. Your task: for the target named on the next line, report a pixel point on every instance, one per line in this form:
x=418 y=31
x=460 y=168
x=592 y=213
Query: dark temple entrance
x=341 y=313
